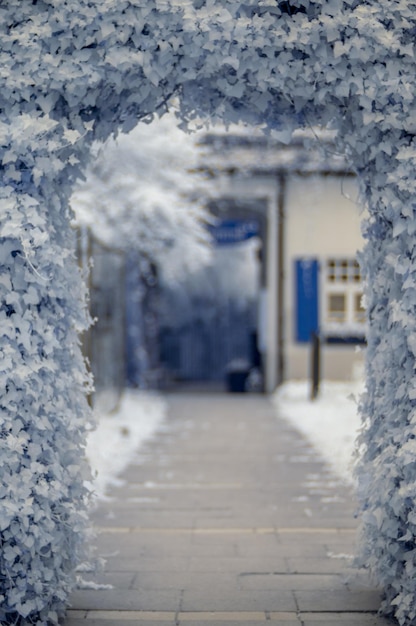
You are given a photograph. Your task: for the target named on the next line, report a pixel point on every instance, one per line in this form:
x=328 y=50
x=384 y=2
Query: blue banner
x=307 y=299
x=227 y=232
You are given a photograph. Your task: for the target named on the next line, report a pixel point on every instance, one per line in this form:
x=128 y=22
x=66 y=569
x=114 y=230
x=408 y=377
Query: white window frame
x=350 y=288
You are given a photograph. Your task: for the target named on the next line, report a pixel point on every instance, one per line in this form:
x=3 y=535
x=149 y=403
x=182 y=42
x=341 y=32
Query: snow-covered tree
x=76 y=72
x=144 y=197
x=142 y=193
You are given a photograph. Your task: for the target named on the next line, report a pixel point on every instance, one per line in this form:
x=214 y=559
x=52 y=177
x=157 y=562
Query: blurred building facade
x=299 y=202
x=307 y=198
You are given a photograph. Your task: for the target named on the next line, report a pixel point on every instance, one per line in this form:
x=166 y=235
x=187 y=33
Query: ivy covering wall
x=72 y=72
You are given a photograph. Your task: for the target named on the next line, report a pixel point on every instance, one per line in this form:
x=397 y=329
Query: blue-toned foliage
x=72 y=72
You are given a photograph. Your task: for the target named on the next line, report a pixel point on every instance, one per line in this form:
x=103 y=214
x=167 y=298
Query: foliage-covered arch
x=75 y=71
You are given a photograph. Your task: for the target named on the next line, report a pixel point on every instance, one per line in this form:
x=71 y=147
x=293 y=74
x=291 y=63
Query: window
x=336 y=307
x=343 y=271
x=342 y=307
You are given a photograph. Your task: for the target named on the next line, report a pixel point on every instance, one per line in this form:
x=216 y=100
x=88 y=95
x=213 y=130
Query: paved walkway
x=227 y=517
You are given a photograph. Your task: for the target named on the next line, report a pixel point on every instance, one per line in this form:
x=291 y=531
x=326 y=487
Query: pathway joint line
x=129 y=616
x=347 y=614
x=185 y=531
x=222 y=616
x=315 y=531
x=151 y=485
x=227 y=530
x=237 y=531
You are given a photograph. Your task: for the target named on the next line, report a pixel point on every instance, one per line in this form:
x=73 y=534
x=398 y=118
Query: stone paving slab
x=238 y=565
x=293 y=622
x=134 y=565
x=291 y=582
x=320 y=565
x=238 y=600
x=115 y=621
x=227 y=516
x=163 y=599
x=345 y=619
x=337 y=600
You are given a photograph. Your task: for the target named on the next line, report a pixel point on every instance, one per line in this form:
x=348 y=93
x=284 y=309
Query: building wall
x=322 y=220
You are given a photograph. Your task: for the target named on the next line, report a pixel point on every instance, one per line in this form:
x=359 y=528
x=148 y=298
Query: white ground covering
x=112 y=446
x=330 y=422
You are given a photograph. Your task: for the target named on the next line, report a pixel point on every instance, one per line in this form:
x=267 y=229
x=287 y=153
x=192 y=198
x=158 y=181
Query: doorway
x=210 y=325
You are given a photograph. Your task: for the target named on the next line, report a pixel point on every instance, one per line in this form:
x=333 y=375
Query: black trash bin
x=236 y=376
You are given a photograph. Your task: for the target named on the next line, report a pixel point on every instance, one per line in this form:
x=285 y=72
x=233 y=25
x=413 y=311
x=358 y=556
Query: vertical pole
x=315 y=365
x=271 y=374
x=280 y=276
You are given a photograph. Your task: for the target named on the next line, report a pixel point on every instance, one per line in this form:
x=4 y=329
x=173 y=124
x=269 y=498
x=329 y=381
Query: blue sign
x=233 y=231
x=307 y=298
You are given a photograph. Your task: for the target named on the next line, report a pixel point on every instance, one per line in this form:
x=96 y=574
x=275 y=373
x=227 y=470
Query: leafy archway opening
x=74 y=72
